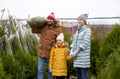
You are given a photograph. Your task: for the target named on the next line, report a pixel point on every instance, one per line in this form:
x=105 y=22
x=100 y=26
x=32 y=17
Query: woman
x=80 y=48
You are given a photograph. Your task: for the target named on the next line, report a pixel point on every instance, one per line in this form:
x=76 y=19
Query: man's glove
x=50 y=70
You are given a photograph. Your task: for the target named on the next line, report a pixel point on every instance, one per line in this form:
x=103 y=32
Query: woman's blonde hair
x=90 y=27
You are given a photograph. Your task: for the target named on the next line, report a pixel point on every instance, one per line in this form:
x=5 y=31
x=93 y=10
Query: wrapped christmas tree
x=37 y=22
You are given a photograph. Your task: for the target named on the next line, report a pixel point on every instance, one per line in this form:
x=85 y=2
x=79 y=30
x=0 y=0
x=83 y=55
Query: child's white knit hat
x=60 y=37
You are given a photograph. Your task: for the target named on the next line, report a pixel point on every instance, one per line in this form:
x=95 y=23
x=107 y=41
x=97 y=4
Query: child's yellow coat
x=58 y=61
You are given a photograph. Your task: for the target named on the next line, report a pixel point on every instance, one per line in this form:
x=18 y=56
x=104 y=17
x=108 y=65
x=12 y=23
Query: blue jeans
x=41 y=64
x=82 y=73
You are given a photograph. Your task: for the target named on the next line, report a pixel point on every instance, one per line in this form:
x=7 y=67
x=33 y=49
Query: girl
x=58 y=58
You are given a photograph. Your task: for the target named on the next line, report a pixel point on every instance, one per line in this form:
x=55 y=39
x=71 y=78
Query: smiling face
x=59 y=43
x=50 y=22
x=81 y=22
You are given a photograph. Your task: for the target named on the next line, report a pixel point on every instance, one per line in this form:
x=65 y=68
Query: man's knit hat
x=51 y=16
x=60 y=37
x=83 y=17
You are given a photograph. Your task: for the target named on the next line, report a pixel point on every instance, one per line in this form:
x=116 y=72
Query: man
x=47 y=40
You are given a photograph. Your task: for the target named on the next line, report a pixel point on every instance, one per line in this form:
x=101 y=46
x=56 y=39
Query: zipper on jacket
x=77 y=37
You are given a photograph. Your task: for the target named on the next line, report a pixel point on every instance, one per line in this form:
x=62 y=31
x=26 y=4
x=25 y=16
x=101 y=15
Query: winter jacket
x=82 y=40
x=48 y=36
x=58 y=61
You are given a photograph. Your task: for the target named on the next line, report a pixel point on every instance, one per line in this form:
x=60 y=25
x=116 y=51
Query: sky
x=61 y=8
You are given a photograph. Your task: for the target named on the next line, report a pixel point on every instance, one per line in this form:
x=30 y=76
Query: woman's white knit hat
x=60 y=37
